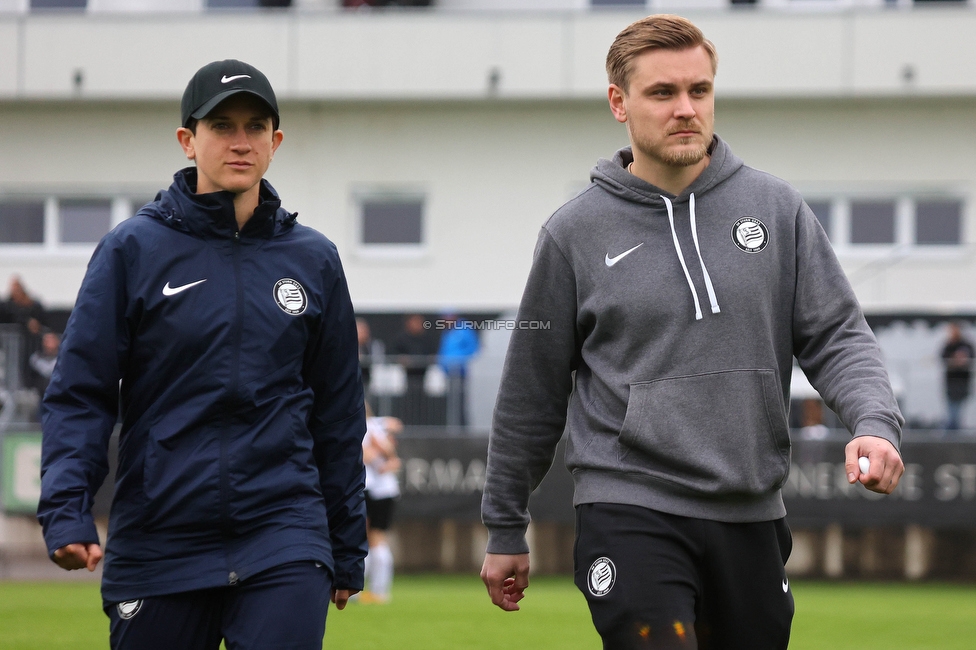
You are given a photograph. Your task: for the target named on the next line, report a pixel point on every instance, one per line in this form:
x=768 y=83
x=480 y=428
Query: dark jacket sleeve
x=82 y=402
x=337 y=424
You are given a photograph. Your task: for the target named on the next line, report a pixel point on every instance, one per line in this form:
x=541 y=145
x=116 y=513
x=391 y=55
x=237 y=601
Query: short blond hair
x=658 y=32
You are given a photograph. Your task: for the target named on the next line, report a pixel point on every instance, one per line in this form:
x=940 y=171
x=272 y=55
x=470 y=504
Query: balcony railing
x=428 y=395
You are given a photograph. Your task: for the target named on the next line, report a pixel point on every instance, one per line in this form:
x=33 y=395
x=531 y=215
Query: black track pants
x=654 y=580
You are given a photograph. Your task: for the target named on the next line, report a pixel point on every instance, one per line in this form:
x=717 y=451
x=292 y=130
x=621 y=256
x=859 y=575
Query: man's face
x=669 y=105
x=50 y=343
x=362 y=332
x=17 y=292
x=954 y=332
x=233 y=145
x=415 y=325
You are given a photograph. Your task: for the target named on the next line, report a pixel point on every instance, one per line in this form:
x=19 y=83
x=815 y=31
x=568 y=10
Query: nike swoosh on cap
x=172 y=291
x=226 y=80
x=610 y=261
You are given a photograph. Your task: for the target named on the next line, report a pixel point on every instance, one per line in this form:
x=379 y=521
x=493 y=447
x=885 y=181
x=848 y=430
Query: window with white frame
x=938 y=222
x=21 y=221
x=246 y=4
x=62 y=222
x=391 y=221
x=83 y=221
x=872 y=222
x=854 y=222
x=58 y=4
x=821 y=209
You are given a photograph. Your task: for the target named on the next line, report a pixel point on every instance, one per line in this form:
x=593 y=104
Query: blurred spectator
x=365 y=344
x=372 y=361
x=459 y=343
x=382 y=490
x=41 y=365
x=414 y=348
x=42 y=361
x=957 y=356
x=813 y=427
x=21 y=309
x=415 y=340
x=365 y=337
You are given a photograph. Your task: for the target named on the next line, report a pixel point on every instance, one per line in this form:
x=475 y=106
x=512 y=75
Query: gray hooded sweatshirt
x=665 y=344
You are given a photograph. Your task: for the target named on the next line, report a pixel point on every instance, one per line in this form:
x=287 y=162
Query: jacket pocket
x=721 y=433
x=181 y=473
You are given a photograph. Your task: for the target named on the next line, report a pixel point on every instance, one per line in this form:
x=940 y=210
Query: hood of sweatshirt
x=212 y=215
x=613 y=176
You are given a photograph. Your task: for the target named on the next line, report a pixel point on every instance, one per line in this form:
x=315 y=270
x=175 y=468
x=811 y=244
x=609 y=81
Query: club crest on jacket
x=290 y=296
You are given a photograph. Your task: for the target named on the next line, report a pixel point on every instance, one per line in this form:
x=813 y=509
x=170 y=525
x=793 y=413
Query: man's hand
x=341 y=596
x=886 y=465
x=78 y=556
x=507 y=577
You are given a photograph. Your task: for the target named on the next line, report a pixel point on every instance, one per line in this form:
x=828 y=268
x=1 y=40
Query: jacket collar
x=212 y=214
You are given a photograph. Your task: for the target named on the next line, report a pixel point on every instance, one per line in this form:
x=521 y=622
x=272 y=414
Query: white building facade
x=431 y=144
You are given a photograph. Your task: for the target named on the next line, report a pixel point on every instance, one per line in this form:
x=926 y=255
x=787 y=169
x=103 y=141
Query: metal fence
x=422 y=391
x=11 y=357
x=417 y=389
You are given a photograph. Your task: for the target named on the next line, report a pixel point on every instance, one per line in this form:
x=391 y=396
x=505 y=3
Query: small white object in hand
x=864 y=464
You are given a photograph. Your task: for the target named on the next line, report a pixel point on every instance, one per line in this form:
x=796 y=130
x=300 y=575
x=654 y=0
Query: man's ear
x=616 y=95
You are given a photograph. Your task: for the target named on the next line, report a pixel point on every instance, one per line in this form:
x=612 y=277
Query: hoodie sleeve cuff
x=507 y=541
x=879 y=428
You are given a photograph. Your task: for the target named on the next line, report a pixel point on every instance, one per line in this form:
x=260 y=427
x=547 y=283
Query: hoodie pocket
x=720 y=433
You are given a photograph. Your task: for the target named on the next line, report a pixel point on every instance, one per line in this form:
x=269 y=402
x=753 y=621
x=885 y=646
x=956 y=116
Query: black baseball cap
x=215 y=82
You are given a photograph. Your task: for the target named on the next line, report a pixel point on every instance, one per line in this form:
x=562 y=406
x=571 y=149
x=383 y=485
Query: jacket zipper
x=232 y=577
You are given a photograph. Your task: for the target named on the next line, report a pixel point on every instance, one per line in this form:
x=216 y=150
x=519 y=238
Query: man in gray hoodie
x=677 y=289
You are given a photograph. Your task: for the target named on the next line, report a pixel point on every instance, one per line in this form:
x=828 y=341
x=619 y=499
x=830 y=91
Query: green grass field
x=453 y=612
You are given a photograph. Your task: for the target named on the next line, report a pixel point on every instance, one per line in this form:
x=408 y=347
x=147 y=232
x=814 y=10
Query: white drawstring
x=708 y=281
x=681 y=258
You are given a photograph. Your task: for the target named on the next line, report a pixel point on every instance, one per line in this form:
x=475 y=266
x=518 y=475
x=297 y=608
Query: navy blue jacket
x=240 y=396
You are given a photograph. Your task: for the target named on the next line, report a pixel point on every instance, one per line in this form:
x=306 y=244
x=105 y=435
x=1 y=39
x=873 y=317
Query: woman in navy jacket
x=223 y=332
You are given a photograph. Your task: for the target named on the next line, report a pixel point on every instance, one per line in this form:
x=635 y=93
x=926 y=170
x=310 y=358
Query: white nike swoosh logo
x=226 y=80
x=786 y=585
x=613 y=260
x=172 y=291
